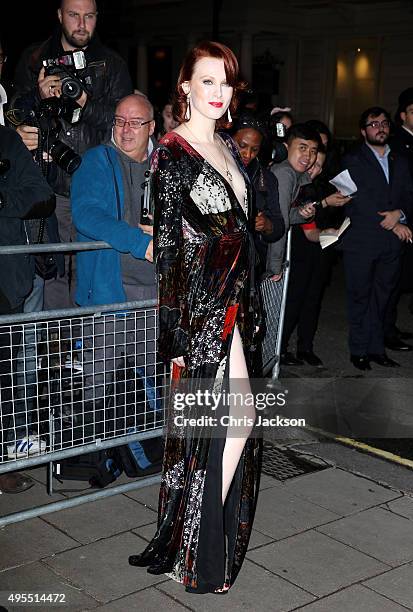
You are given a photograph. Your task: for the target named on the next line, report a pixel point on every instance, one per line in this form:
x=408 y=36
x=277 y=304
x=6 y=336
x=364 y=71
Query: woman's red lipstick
x=216 y=104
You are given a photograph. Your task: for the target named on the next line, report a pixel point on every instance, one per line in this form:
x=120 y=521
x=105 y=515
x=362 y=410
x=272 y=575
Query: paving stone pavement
x=328 y=541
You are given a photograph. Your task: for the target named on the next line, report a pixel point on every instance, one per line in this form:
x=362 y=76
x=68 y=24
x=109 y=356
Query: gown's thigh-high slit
x=222 y=482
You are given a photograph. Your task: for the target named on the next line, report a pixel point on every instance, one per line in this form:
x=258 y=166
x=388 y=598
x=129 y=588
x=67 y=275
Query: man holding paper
x=373 y=243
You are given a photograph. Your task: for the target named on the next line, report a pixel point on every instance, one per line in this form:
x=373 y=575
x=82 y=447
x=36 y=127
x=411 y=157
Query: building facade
x=327 y=59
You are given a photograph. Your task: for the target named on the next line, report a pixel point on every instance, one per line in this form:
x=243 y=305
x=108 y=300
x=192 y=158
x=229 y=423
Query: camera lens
x=65 y=157
x=71 y=88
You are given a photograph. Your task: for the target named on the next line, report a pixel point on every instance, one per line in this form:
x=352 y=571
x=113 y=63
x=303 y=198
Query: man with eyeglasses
x=106 y=80
x=107 y=192
x=372 y=246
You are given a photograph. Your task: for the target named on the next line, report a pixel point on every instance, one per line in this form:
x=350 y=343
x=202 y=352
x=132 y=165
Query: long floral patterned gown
x=204 y=257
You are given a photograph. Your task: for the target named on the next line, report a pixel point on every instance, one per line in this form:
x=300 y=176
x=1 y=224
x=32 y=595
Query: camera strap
x=116 y=184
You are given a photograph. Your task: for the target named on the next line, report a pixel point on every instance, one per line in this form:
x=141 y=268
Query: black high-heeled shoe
x=142 y=560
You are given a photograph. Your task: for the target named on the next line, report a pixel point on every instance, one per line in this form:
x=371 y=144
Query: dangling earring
x=229 y=115
x=188 y=108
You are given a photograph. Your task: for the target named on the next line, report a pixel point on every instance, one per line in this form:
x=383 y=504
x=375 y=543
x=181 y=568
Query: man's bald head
x=133 y=139
x=138 y=100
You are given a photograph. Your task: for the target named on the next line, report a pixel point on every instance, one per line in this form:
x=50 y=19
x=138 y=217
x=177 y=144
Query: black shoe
x=396 y=344
x=383 y=360
x=139 y=561
x=310 y=358
x=288 y=359
x=361 y=362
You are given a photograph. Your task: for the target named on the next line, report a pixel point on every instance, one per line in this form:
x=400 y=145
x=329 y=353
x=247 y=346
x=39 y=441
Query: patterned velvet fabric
x=204 y=259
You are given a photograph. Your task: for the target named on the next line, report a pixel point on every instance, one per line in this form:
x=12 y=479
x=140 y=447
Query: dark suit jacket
x=402 y=142
x=374 y=194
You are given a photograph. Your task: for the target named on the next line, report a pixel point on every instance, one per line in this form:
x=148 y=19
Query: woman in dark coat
x=205 y=257
x=249 y=135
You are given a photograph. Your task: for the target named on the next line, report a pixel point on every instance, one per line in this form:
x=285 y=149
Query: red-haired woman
x=205 y=259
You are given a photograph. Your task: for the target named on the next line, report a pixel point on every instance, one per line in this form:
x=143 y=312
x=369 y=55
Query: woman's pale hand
x=179 y=361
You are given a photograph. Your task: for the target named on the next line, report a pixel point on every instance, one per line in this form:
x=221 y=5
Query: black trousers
x=309 y=275
x=404 y=283
x=370 y=280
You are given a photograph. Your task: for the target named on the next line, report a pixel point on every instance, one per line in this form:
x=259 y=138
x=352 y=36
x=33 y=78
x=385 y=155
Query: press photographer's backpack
x=99 y=468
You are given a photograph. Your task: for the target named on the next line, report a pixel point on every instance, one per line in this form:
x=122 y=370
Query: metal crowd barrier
x=79 y=380
x=274 y=299
x=75 y=381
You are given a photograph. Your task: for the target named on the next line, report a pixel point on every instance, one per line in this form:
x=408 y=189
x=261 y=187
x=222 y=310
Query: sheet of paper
x=344 y=183
x=343 y=226
x=328 y=237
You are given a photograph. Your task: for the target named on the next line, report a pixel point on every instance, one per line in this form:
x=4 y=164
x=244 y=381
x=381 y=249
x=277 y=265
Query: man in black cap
x=401 y=142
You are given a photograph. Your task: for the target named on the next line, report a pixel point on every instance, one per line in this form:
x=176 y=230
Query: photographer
x=77 y=101
x=24 y=195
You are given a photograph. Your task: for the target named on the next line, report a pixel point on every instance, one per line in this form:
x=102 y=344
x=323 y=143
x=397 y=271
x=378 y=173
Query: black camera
x=46 y=117
x=66 y=66
x=279 y=130
x=278 y=133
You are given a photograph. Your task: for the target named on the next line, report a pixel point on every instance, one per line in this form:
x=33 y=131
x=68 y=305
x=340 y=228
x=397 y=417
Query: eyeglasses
x=376 y=124
x=3 y=58
x=135 y=124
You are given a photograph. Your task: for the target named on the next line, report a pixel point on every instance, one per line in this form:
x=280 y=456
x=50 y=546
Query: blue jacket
x=96 y=217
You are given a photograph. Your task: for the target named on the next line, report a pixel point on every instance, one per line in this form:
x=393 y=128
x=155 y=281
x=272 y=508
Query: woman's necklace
x=227 y=171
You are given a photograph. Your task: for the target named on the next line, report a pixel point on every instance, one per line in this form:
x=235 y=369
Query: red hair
x=216 y=50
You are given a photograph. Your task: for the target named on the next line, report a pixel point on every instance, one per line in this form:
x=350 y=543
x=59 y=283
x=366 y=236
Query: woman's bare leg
x=238 y=433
